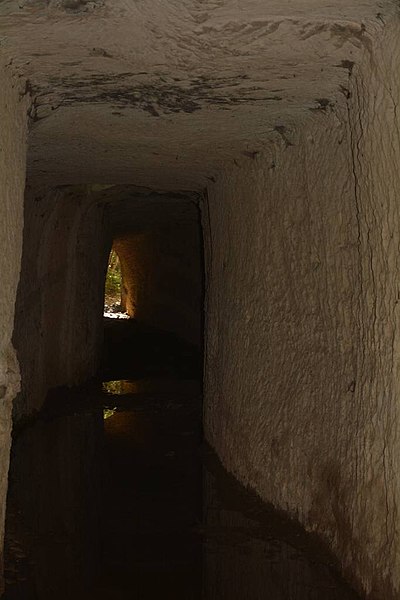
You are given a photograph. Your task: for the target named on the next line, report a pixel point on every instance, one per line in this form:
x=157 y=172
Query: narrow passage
x=115 y=496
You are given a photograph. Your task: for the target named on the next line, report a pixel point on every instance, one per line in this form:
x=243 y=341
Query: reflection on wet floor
x=134 y=507
x=175 y=387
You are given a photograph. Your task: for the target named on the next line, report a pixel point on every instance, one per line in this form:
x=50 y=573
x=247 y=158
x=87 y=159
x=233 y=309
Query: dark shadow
x=134 y=350
x=114 y=497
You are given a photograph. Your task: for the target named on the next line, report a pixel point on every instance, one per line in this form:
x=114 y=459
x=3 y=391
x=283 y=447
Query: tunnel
x=230 y=428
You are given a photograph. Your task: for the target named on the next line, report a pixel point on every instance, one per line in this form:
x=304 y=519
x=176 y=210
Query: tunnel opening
x=114 y=295
x=154 y=287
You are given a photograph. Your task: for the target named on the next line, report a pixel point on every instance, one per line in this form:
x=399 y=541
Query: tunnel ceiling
x=162 y=94
x=131 y=210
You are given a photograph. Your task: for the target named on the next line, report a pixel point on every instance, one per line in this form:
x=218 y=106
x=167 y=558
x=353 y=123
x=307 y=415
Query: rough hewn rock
x=13 y=109
x=161 y=94
x=59 y=311
x=288 y=114
x=302 y=368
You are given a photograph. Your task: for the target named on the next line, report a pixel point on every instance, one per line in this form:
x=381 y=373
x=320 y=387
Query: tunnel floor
x=114 y=495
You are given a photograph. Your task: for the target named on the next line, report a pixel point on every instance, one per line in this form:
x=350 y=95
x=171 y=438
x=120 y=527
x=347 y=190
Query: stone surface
x=161 y=94
x=13 y=109
x=289 y=116
x=302 y=326
x=59 y=311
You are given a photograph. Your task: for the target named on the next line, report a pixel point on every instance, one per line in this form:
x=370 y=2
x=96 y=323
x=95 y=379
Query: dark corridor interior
x=114 y=494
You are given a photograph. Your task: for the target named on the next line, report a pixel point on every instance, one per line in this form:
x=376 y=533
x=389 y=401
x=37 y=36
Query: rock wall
x=162 y=274
x=13 y=110
x=58 y=322
x=302 y=346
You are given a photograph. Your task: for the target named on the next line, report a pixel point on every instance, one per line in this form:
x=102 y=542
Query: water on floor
x=115 y=496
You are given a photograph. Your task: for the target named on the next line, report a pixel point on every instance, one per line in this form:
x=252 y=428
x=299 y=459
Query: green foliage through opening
x=112 y=295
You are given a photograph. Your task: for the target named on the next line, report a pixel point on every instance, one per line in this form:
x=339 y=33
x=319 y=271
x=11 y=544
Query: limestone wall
x=375 y=135
x=302 y=368
x=58 y=324
x=13 y=110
